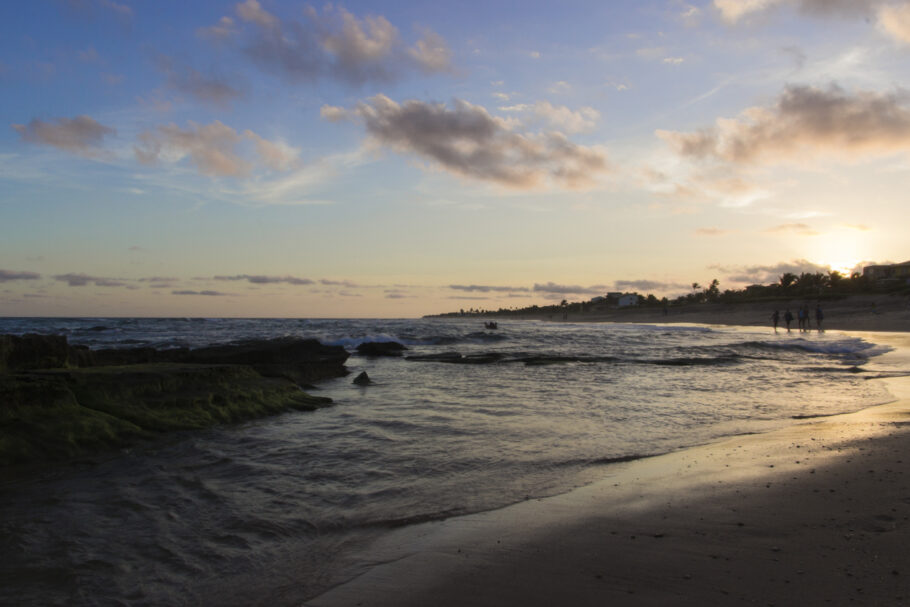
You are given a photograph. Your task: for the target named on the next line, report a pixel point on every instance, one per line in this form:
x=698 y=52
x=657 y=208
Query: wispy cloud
x=793 y=228
x=260 y=279
x=489 y=289
x=10 y=275
x=552 y=288
x=764 y=274
x=215 y=149
x=206 y=293
x=214 y=90
x=82 y=135
x=81 y=280
x=470 y=142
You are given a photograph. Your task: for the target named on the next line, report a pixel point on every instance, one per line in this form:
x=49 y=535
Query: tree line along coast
x=813 y=289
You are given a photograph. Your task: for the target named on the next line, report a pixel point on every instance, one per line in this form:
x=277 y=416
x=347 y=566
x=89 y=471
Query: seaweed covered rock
x=59 y=413
x=18 y=352
x=59 y=401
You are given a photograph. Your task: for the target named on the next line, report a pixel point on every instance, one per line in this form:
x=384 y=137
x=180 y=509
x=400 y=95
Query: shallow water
x=266 y=512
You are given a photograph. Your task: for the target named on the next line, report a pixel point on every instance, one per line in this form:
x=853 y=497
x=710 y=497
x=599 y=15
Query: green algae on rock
x=57 y=413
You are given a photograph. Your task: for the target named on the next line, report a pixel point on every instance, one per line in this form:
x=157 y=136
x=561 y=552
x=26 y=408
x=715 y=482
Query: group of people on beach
x=802 y=317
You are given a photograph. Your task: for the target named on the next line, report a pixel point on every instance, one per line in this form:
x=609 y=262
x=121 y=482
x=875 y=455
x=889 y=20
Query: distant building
x=626 y=300
x=900 y=271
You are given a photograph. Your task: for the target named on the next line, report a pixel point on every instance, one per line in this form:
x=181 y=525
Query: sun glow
x=841 y=251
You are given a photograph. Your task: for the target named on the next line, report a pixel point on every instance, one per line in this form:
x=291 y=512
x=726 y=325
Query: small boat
x=490 y=325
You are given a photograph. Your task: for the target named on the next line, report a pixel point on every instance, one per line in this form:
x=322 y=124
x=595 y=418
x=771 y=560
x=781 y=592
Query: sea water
x=267 y=512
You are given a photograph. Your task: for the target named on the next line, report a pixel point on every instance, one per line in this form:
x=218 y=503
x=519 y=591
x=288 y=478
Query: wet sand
x=816 y=513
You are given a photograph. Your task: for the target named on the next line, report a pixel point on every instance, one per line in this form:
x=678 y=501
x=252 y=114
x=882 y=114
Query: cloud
x=673 y=60
x=893 y=17
x=711 y=232
x=468 y=141
x=338 y=283
x=647 y=285
x=9 y=275
x=81 y=280
x=213 y=149
x=895 y=21
x=795 y=228
x=222 y=30
x=206 y=293
x=805 y=122
x=81 y=135
x=561 y=117
x=768 y=274
x=209 y=89
x=259 y=279
x=735 y=10
x=336 y=44
x=556 y=289
x=489 y=289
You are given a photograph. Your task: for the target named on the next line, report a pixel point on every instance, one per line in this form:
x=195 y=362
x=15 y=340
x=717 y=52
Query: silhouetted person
x=788 y=318
x=775 y=318
x=819 y=316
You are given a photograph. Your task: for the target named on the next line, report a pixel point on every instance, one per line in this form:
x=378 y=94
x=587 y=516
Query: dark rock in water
x=380 y=348
x=363 y=379
x=299 y=360
x=442 y=357
x=59 y=401
x=33 y=352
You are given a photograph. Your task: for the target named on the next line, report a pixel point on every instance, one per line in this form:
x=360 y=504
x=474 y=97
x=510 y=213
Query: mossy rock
x=60 y=413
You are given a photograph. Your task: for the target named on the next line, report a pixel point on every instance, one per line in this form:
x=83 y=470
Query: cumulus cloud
x=10 y=275
x=805 y=122
x=259 y=279
x=214 y=90
x=81 y=135
x=468 y=141
x=215 y=149
x=489 y=289
x=81 y=280
x=336 y=44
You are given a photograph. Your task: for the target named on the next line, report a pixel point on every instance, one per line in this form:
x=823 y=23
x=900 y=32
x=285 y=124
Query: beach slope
x=815 y=513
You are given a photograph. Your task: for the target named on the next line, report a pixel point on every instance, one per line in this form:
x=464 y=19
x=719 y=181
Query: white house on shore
x=627 y=299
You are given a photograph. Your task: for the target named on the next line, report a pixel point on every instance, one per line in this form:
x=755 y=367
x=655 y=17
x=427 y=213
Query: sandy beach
x=817 y=513
x=855 y=313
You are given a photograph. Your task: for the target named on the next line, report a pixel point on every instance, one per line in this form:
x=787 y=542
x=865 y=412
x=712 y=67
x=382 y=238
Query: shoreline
x=818 y=511
x=879 y=313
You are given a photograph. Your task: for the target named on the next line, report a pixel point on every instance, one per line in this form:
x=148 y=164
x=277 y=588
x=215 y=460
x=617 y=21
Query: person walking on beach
x=819 y=316
x=775 y=318
x=788 y=318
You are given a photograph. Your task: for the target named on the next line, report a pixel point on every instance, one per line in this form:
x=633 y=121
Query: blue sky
x=279 y=158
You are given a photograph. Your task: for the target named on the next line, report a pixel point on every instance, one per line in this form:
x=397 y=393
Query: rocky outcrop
x=59 y=401
x=363 y=379
x=380 y=348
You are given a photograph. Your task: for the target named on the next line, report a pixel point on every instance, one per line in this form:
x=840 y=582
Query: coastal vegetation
x=818 y=286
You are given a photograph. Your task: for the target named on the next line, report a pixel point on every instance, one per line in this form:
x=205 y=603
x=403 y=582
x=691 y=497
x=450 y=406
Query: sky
x=274 y=158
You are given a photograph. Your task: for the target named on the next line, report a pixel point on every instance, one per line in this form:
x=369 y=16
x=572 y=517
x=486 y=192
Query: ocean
x=274 y=510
